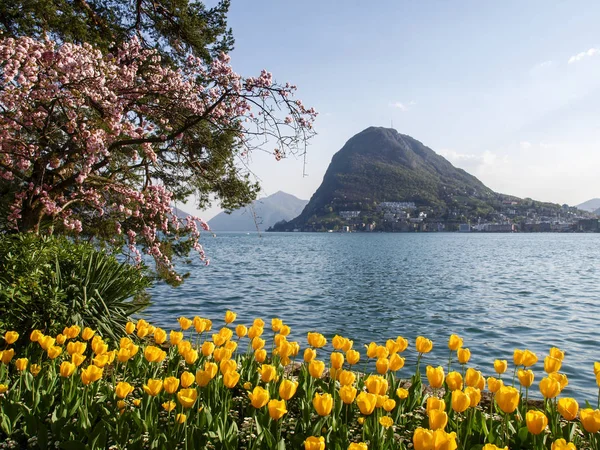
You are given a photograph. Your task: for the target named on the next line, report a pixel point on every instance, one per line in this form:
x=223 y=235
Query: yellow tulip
x=381 y=400
x=129 y=327
x=169 y=406
x=396 y=362
x=267 y=373
x=557 y=353
x=561 y=378
x=46 y=342
x=434 y=403
x=474 y=395
x=590 y=419
x=153 y=387
x=337 y=360
x=203 y=378
x=36 y=335
x=423 y=439
x=386 y=421
x=352 y=357
x=438 y=419
x=552 y=364
x=444 y=441
x=314 y=443
x=77 y=359
x=494 y=384
x=123 y=389
x=402 y=393
x=171 y=384
x=435 y=376
x=230 y=317
x=493 y=447
x=389 y=404
x=500 y=366
x=187 y=379
x=7 y=355
x=67 y=369
x=460 y=401
x=401 y=344
x=382 y=365
x=277 y=409
x=231 y=378
x=90 y=374
x=241 y=331
x=87 y=334
x=366 y=403
x=323 y=404
x=228 y=365
x=381 y=352
x=123 y=355
x=549 y=387
x=54 y=352
x=175 y=337
x=473 y=377
x=255 y=331
x=525 y=377
x=35 y=369
x=358 y=446
x=346 y=377
x=10 y=337
x=3 y=388
x=536 y=421
x=338 y=342
x=100 y=360
x=154 y=354
x=561 y=444
x=529 y=358
x=455 y=342
x=371 y=350
x=21 y=364
x=184 y=323
x=568 y=408
x=423 y=345
x=160 y=336
x=287 y=389
x=507 y=399
x=259 y=397
x=316 y=368
x=316 y=340
x=347 y=394
x=376 y=384
x=190 y=356
x=454 y=380
x=258 y=343
x=60 y=339
x=260 y=355
x=518 y=357
x=187 y=397
x=596 y=368
x=76 y=347
x=463 y=355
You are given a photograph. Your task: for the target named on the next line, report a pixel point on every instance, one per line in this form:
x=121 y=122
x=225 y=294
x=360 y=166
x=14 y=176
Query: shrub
x=47 y=283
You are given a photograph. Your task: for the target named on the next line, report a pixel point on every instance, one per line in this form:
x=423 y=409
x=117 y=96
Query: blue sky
x=507 y=90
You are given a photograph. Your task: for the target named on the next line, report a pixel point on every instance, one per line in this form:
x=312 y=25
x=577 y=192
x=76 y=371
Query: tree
x=101 y=144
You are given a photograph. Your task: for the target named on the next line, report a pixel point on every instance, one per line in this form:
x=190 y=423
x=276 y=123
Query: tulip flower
x=493 y=447
x=454 y=380
x=87 y=334
x=258 y=343
x=54 y=352
x=529 y=358
x=190 y=356
x=77 y=359
x=443 y=440
x=536 y=421
x=376 y=384
x=590 y=419
x=211 y=368
x=474 y=395
x=254 y=332
x=3 y=388
x=35 y=369
x=60 y=339
x=230 y=317
x=277 y=409
x=463 y=355
x=153 y=387
x=337 y=360
x=175 y=337
x=596 y=368
x=389 y=404
x=473 y=377
x=366 y=403
x=386 y=421
x=129 y=327
x=346 y=377
x=455 y=342
x=435 y=403
x=460 y=401
x=241 y=331
x=402 y=393
x=76 y=347
x=507 y=399
x=396 y=362
x=561 y=378
x=435 y=376
x=10 y=337
x=316 y=340
x=382 y=365
x=231 y=378
x=500 y=366
x=338 y=342
x=186 y=379
x=171 y=384
x=316 y=368
x=187 y=397
x=21 y=364
x=347 y=394
x=358 y=446
x=314 y=443
x=525 y=377
x=160 y=336
x=518 y=357
x=323 y=403
x=557 y=353
x=90 y=374
x=423 y=345
x=423 y=439
x=123 y=389
x=169 y=406
x=549 y=387
x=561 y=444
x=36 y=335
x=494 y=384
x=352 y=357
x=371 y=350
x=287 y=389
x=568 y=408
x=67 y=369
x=258 y=397
x=438 y=419
x=231 y=365
x=552 y=364
x=260 y=355
x=203 y=378
x=184 y=323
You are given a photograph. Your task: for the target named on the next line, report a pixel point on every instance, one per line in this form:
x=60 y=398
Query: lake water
x=498 y=291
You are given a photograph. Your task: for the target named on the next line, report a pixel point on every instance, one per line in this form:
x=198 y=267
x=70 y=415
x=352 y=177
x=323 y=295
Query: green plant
x=47 y=283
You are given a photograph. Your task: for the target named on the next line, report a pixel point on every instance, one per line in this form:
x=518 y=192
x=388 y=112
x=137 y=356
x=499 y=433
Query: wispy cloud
x=403 y=106
x=525 y=145
x=543 y=65
x=587 y=54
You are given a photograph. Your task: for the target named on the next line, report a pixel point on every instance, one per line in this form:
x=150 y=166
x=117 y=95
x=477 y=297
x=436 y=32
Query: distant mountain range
x=381 y=165
x=260 y=214
x=592 y=205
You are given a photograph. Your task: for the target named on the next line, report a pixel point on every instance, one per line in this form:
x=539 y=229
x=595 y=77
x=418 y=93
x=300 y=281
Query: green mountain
x=260 y=214
x=381 y=165
x=591 y=205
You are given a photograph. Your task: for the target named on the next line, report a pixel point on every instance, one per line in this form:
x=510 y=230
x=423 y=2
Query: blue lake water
x=498 y=291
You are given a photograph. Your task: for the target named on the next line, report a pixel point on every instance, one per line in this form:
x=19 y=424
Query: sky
x=508 y=91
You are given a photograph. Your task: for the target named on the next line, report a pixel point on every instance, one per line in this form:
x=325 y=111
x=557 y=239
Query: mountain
x=262 y=213
x=381 y=165
x=590 y=206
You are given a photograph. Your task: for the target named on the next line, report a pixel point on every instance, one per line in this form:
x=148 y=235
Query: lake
x=497 y=291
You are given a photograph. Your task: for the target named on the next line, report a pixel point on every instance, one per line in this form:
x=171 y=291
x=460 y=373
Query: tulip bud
x=536 y=421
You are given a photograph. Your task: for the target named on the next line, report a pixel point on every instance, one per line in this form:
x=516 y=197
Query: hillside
x=262 y=214
x=381 y=165
x=591 y=205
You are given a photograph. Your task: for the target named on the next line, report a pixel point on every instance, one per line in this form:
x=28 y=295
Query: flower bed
x=239 y=388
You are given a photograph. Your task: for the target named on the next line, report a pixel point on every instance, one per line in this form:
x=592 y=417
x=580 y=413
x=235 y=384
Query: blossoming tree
x=101 y=145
